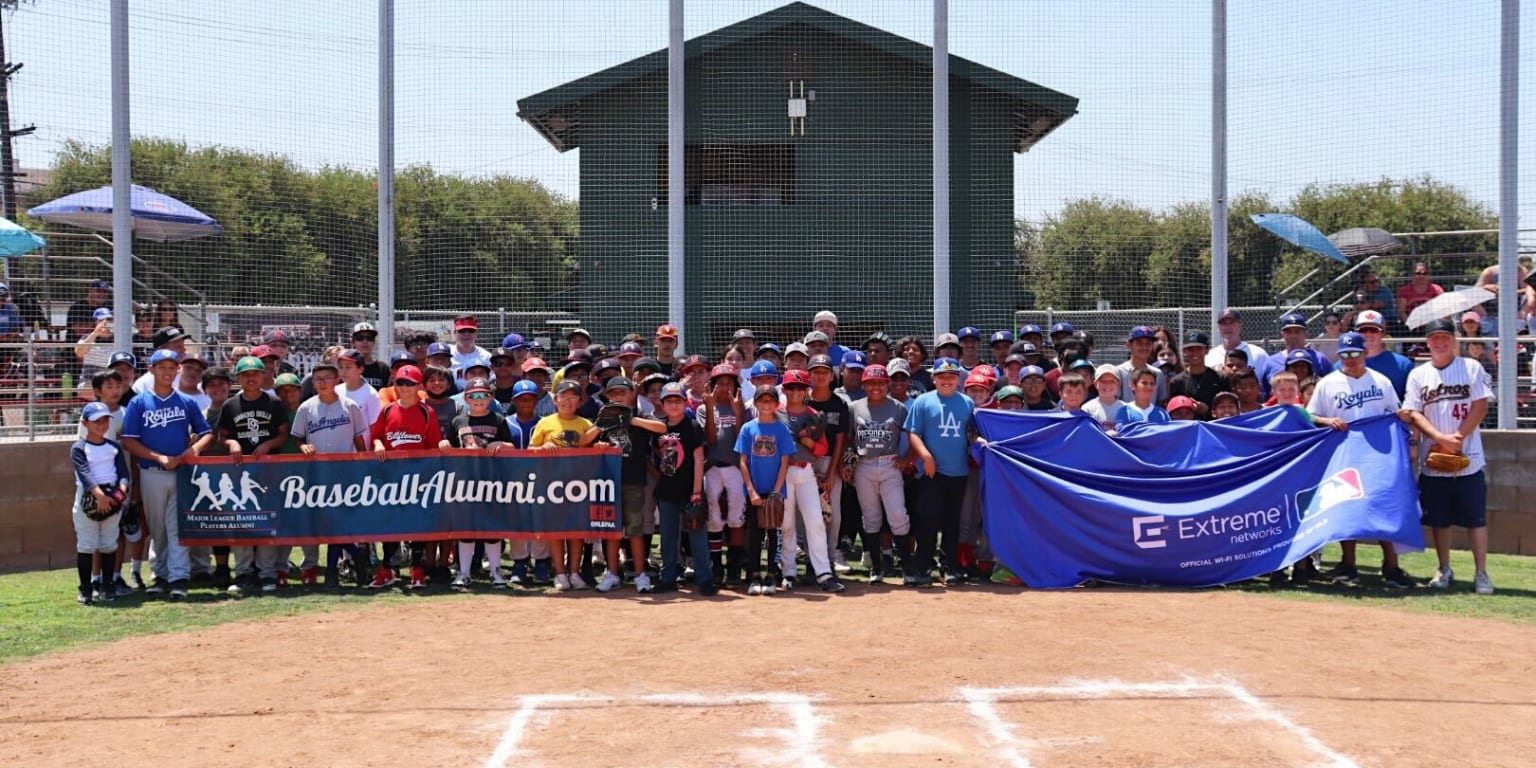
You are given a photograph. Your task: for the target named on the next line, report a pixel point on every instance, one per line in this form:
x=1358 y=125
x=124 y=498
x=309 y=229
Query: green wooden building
x=791 y=214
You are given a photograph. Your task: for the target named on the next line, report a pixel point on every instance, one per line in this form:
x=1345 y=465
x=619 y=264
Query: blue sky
x=1320 y=90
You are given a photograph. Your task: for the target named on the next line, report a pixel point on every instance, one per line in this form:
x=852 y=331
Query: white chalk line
x=801 y=741
x=1013 y=748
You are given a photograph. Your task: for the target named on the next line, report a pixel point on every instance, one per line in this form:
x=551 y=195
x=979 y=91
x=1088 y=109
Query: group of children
x=870 y=443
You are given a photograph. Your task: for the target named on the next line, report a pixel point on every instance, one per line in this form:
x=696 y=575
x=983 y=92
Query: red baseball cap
x=410 y=373
x=796 y=378
x=467 y=321
x=723 y=369
x=264 y=351
x=979 y=379
x=534 y=364
x=668 y=331
x=875 y=373
x=692 y=362
x=1182 y=401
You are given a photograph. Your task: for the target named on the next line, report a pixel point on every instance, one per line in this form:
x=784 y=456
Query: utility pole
x=8 y=172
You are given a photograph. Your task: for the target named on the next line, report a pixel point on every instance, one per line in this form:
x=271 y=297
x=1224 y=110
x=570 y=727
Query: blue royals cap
x=163 y=354
x=94 y=411
x=769 y=347
x=1351 y=342
x=122 y=357
x=513 y=342
x=1292 y=320
x=763 y=368
x=1062 y=328
x=1002 y=336
x=969 y=332
x=1299 y=356
x=853 y=359
x=438 y=348
x=1141 y=332
x=1025 y=330
x=525 y=387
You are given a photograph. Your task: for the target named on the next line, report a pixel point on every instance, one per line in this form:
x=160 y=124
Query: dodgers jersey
x=1445 y=396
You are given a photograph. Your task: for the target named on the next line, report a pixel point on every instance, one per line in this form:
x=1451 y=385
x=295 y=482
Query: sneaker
x=1398 y=578
x=831 y=584
x=418 y=577
x=1001 y=575
x=221 y=578
x=497 y=582
x=282 y=580
x=461 y=582
x=1304 y=571
x=1346 y=575
x=577 y=582
x=876 y=576
x=562 y=583
x=951 y=578
x=235 y=589
x=787 y=584
x=541 y=570
x=840 y=562
x=709 y=589
x=136 y=581
x=1279 y=578
x=755 y=589
x=643 y=583
x=179 y=590
x=1443 y=579
x=1481 y=584
x=768 y=588
x=84 y=598
x=155 y=589
x=310 y=577
x=921 y=580
x=384 y=577
x=120 y=588
x=332 y=579
x=269 y=585
x=611 y=581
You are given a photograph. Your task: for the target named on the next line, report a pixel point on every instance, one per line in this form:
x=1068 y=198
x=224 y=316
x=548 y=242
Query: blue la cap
x=1292 y=320
x=1301 y=355
x=763 y=368
x=1028 y=329
x=94 y=411
x=969 y=332
x=513 y=341
x=769 y=347
x=438 y=348
x=400 y=357
x=1062 y=328
x=123 y=357
x=1002 y=336
x=1351 y=341
x=947 y=365
x=525 y=387
x=854 y=359
x=102 y=313
x=163 y=354
x=1141 y=332
x=1031 y=370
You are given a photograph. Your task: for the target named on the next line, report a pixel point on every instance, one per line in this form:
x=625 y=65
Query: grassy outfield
x=38 y=613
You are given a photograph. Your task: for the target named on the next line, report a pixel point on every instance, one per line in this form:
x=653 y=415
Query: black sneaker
x=709 y=589
x=787 y=584
x=84 y=597
x=1398 y=578
x=951 y=578
x=1303 y=571
x=1278 y=578
x=221 y=578
x=831 y=584
x=1346 y=575
x=664 y=586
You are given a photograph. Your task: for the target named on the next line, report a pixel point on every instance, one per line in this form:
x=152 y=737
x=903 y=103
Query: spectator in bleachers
x=1328 y=344
x=1417 y=291
x=1375 y=297
x=81 y=315
x=10 y=316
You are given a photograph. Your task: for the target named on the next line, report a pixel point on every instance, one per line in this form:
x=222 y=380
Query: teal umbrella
x=1300 y=232
x=16 y=240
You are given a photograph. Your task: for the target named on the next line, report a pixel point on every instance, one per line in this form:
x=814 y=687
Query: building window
x=733 y=174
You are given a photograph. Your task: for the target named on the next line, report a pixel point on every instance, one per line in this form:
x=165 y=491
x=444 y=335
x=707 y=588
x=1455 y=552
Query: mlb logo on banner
x=1343 y=486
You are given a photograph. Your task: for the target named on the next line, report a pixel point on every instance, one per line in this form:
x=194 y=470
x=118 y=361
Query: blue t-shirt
x=10 y=319
x=522 y=431
x=1275 y=363
x=1130 y=413
x=944 y=424
x=163 y=424
x=1391 y=365
x=763 y=445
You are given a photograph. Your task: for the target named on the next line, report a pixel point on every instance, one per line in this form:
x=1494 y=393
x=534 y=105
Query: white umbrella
x=1447 y=304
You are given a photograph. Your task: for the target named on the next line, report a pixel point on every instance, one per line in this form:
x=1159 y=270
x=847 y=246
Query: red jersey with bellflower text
x=407 y=429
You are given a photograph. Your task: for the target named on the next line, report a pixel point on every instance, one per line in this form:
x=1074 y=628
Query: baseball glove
x=850 y=460
x=129 y=523
x=1447 y=462
x=770 y=513
x=92 y=511
x=669 y=454
x=694 y=516
x=612 y=416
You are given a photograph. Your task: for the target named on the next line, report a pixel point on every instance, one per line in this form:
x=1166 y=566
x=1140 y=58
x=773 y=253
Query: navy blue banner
x=437 y=495
x=1187 y=503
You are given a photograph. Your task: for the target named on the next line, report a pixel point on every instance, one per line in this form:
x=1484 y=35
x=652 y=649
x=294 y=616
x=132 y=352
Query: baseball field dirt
x=976 y=676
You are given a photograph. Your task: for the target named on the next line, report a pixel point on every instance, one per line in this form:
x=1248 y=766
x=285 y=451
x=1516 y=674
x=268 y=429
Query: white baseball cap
x=1105 y=370
x=825 y=314
x=1370 y=317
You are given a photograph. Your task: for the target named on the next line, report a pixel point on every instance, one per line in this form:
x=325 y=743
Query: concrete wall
x=36 y=482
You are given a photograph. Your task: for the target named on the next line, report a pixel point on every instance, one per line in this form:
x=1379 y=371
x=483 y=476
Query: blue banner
x=436 y=495
x=1187 y=503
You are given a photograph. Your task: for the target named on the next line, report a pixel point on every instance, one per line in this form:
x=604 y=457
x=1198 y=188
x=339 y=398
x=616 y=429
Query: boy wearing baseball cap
x=253 y=423
x=803 y=486
x=880 y=445
x=1142 y=343
x=565 y=429
x=681 y=483
x=722 y=415
x=331 y=424
x=522 y=420
x=765 y=446
x=353 y=386
x=633 y=439
x=939 y=426
x=102 y=486
x=1106 y=406
x=466 y=330
x=477 y=428
x=405 y=425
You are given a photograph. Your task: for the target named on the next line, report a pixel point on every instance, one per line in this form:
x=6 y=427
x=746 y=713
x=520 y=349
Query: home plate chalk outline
x=800 y=741
x=1014 y=749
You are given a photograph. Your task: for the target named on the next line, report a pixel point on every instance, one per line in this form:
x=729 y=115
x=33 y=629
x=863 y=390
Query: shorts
x=1460 y=501
x=634 y=510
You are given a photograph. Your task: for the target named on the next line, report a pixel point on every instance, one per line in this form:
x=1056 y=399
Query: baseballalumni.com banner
x=441 y=495
x=1187 y=503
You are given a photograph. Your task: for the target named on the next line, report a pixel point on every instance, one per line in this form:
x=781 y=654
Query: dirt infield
x=978 y=676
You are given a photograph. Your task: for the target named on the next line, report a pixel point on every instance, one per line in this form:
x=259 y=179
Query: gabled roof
x=556 y=113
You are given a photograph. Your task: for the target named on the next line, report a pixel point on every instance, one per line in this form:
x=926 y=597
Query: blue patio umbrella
x=156 y=216
x=16 y=240
x=1300 y=232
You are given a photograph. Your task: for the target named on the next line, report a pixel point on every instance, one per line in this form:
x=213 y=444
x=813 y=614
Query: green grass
x=1514 y=582
x=38 y=613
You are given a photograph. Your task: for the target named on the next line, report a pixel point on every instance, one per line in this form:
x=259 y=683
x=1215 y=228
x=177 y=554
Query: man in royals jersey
x=161 y=428
x=1447 y=400
x=1352 y=393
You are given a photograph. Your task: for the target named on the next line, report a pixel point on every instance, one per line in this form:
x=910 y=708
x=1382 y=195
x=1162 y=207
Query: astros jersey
x=1340 y=397
x=1446 y=395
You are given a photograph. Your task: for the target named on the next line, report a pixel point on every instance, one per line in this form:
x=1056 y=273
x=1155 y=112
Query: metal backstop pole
x=1509 y=245
x=122 y=190
x=1218 y=160
x=677 y=155
x=940 y=167
x=386 y=177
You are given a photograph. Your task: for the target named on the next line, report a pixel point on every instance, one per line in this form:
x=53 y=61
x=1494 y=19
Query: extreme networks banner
x=450 y=494
x=1187 y=503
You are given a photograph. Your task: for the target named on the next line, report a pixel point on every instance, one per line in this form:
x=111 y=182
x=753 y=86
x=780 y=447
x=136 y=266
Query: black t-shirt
x=1203 y=387
x=252 y=422
x=478 y=431
x=1045 y=404
x=679 y=487
x=667 y=369
x=635 y=442
x=834 y=413
x=82 y=314
x=376 y=374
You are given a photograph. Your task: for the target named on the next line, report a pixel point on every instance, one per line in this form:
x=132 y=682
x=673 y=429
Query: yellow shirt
x=561 y=433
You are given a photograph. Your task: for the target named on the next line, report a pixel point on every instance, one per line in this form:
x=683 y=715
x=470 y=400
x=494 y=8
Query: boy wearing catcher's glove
x=679 y=490
x=765 y=446
x=617 y=425
x=101 y=488
x=802 y=496
x=874 y=467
